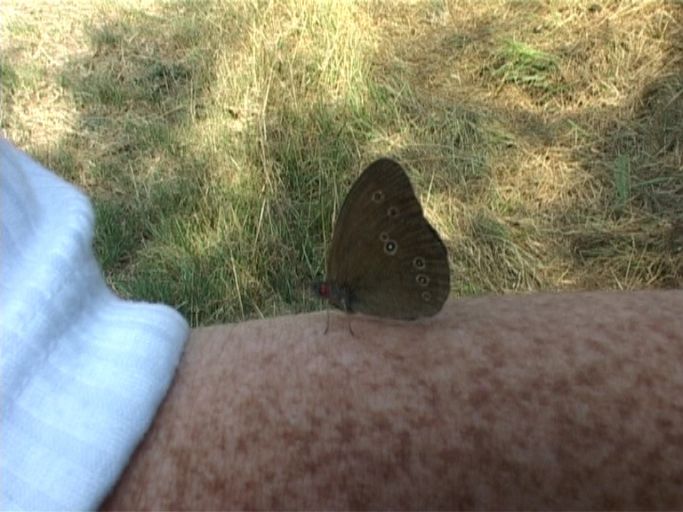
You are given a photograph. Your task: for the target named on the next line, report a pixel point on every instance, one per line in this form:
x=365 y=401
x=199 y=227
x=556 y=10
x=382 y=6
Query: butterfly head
x=339 y=296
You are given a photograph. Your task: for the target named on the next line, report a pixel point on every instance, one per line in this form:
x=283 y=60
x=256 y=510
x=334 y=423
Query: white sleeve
x=82 y=372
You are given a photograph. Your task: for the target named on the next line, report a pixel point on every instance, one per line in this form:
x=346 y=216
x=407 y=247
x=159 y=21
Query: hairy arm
x=545 y=401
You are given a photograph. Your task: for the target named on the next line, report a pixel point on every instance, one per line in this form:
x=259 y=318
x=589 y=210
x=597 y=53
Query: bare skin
x=566 y=401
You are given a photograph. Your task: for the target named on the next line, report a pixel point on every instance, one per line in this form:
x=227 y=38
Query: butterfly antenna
x=351 y=330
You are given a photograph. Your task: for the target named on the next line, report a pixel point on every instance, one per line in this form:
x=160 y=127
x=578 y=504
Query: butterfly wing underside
x=385 y=257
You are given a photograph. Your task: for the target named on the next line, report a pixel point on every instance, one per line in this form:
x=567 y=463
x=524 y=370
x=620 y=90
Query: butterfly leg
x=351 y=330
x=327 y=324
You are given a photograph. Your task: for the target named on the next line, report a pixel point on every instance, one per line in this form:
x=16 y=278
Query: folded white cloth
x=82 y=371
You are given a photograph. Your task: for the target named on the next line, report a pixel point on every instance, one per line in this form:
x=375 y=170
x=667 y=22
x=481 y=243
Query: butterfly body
x=385 y=259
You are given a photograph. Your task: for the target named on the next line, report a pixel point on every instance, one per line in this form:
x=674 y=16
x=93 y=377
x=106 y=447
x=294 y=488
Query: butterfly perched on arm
x=385 y=258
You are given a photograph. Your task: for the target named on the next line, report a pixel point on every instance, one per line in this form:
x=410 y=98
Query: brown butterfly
x=385 y=258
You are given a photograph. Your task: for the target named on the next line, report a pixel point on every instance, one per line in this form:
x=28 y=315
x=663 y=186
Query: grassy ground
x=218 y=139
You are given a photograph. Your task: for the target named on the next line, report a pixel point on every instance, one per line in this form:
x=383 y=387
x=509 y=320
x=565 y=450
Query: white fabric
x=82 y=371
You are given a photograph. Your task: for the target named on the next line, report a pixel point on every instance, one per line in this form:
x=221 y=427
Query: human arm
x=543 y=401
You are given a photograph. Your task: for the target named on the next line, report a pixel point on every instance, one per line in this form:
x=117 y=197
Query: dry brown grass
x=613 y=92
x=218 y=139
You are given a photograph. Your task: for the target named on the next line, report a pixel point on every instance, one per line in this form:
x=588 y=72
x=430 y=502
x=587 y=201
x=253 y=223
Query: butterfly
x=385 y=258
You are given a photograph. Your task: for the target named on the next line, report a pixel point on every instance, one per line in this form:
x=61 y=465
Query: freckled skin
x=563 y=401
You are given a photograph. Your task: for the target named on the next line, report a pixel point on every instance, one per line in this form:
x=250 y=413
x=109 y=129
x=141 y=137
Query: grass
x=217 y=140
x=532 y=70
x=622 y=181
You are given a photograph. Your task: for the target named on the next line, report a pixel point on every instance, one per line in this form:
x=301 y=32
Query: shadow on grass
x=614 y=217
x=221 y=244
x=233 y=243
x=139 y=89
x=638 y=159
